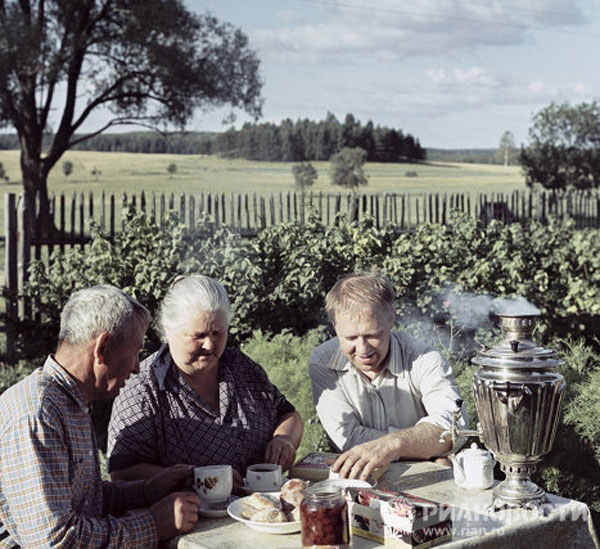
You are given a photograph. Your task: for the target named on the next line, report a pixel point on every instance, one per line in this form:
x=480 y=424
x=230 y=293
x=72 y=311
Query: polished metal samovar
x=518 y=396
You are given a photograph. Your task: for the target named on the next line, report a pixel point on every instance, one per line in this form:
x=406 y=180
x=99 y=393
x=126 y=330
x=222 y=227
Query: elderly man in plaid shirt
x=51 y=491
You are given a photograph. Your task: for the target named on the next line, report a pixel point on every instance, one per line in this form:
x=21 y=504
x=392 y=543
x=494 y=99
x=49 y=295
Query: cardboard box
x=315 y=466
x=398 y=519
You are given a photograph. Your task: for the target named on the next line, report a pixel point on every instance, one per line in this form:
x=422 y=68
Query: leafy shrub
x=553 y=266
x=278 y=280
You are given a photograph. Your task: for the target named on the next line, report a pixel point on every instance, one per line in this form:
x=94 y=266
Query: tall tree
x=305 y=175
x=506 y=149
x=564 y=148
x=347 y=168
x=148 y=62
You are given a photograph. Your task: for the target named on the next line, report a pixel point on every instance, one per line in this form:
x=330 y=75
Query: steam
x=459 y=317
x=474 y=310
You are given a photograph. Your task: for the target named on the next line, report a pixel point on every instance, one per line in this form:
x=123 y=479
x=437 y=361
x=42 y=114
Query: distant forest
x=289 y=141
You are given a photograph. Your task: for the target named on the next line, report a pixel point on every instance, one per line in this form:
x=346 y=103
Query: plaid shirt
x=51 y=491
x=158 y=417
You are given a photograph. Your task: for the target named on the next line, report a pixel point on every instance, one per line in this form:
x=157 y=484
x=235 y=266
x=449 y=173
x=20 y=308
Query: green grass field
x=131 y=173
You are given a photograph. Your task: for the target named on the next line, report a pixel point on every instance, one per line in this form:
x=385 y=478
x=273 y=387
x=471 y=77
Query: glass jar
x=324 y=516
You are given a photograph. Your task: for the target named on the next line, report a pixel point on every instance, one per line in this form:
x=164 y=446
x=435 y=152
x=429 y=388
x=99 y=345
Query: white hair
x=101 y=308
x=186 y=298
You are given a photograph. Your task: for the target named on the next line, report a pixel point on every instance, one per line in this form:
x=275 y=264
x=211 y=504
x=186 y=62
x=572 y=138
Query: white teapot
x=473 y=468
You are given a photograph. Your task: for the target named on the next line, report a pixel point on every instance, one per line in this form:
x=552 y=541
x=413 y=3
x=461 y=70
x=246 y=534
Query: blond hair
x=358 y=292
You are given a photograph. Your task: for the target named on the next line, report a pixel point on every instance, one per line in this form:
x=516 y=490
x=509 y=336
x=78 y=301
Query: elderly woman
x=196 y=402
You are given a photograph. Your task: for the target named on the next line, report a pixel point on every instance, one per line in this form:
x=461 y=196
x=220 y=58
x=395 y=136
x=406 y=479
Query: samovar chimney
x=518 y=396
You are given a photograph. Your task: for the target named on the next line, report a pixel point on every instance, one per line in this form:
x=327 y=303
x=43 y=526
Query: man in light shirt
x=380 y=394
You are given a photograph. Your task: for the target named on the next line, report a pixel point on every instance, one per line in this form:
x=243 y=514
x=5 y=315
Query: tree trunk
x=36 y=194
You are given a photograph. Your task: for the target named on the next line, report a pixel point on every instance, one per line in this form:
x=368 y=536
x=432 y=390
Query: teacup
x=264 y=477
x=213 y=482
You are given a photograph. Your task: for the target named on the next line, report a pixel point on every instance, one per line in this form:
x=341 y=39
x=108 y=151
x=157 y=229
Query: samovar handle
x=512 y=400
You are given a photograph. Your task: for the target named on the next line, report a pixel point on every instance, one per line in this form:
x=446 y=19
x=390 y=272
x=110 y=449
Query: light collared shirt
x=415 y=385
x=51 y=490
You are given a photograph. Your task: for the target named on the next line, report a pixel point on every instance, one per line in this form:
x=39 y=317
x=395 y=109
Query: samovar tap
x=458 y=436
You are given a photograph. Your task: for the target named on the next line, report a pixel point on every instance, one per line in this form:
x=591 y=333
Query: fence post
x=24 y=206
x=192 y=212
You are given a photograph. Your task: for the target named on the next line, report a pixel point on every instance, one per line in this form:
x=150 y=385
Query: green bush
x=278 y=280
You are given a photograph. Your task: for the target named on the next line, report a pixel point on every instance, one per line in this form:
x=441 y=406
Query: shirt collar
x=163 y=365
x=65 y=380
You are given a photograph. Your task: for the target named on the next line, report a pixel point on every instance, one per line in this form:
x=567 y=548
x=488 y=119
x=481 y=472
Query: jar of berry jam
x=324 y=516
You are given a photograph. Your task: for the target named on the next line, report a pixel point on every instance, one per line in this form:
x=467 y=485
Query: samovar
x=518 y=397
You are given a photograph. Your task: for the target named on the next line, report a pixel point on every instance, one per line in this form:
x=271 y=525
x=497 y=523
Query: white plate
x=247 y=490
x=216 y=510
x=235 y=512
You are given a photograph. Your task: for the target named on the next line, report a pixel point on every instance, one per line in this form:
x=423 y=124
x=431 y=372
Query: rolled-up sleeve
x=432 y=375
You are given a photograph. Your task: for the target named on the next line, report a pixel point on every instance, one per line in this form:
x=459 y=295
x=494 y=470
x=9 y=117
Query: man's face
x=198 y=346
x=121 y=360
x=365 y=338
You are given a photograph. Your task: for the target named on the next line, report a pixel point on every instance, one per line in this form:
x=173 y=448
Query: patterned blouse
x=158 y=418
x=51 y=491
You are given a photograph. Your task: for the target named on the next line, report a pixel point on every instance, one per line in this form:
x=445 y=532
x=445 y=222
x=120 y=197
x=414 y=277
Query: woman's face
x=197 y=346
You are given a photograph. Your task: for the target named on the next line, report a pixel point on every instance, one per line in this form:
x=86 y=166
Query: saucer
x=216 y=509
x=247 y=490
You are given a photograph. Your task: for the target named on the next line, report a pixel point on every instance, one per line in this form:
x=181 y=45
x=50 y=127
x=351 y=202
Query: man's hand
x=419 y=442
x=280 y=450
x=175 y=514
x=170 y=479
x=361 y=460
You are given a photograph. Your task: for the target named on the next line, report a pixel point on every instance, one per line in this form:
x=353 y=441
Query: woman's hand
x=280 y=450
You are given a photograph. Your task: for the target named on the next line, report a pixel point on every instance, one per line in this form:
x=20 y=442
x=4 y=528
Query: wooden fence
x=249 y=213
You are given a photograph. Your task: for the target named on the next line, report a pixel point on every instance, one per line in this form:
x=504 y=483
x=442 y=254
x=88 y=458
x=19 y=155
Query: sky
x=453 y=73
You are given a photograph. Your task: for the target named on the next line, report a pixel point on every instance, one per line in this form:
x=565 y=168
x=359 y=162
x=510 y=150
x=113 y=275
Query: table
x=568 y=523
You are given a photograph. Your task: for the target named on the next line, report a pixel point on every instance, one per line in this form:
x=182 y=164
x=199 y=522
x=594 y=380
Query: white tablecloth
x=567 y=525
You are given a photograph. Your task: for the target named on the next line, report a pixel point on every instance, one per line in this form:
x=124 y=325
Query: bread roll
x=257 y=502
x=268 y=515
x=292 y=492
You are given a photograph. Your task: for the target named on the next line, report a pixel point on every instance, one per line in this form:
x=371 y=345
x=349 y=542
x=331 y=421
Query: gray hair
x=101 y=308
x=356 y=292
x=187 y=297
